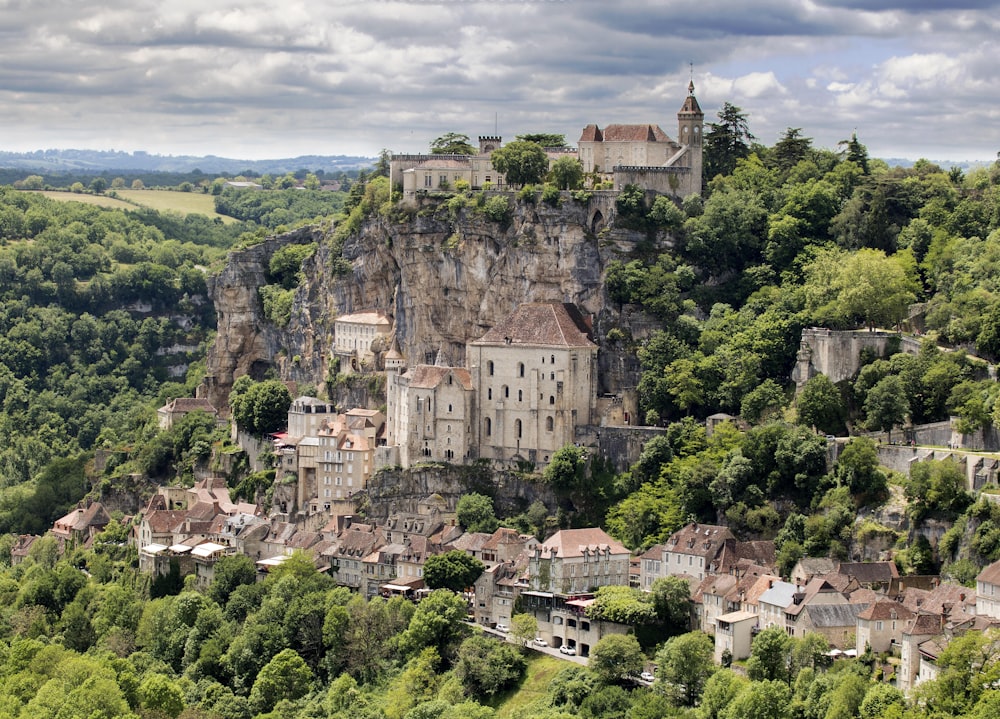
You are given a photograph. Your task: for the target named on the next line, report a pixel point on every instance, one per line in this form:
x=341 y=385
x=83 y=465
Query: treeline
x=91 y=301
x=276 y=208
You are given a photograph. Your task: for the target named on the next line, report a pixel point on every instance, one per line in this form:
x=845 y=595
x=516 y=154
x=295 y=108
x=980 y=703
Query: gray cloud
x=255 y=78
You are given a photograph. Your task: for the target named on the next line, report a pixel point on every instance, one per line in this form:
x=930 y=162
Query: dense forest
x=104 y=316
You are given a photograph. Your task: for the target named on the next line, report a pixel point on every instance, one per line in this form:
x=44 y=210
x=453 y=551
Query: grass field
x=541 y=670
x=186 y=203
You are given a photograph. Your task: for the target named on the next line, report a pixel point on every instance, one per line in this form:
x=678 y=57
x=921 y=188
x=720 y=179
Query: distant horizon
x=358 y=160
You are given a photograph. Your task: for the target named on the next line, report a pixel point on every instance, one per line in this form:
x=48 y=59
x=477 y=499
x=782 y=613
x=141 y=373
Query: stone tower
x=690 y=123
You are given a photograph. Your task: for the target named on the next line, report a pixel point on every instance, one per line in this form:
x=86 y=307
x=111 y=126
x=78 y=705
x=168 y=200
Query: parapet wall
x=836 y=353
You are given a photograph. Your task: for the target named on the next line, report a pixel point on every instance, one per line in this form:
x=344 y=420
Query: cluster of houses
x=735 y=589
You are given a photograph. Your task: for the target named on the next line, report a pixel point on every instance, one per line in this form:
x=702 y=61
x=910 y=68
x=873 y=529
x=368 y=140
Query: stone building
x=639 y=154
x=353 y=337
x=535 y=379
x=430 y=410
x=646 y=156
x=531 y=382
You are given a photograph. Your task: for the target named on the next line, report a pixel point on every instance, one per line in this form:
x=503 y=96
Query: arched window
x=552 y=399
x=552 y=359
x=517 y=428
x=489 y=393
x=489 y=368
x=520 y=369
x=488 y=426
x=506 y=391
x=549 y=424
x=520 y=395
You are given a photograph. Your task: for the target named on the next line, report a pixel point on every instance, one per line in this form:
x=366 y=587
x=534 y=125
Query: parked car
x=647 y=676
x=539 y=642
x=568 y=650
x=503 y=628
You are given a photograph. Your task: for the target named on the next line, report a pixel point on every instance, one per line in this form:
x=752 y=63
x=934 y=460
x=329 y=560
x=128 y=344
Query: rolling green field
x=185 y=203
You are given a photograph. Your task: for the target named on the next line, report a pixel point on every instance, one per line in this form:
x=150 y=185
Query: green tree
x=475 y=513
x=524 y=627
x=615 y=658
x=567 y=468
x=688 y=661
x=438 y=622
x=545 y=139
x=486 y=667
x=452 y=143
x=522 y=163
x=567 y=173
x=286 y=676
x=886 y=405
x=623 y=605
x=231 y=572
x=770 y=656
x=821 y=406
x=726 y=141
x=672 y=601
x=261 y=407
x=791 y=149
x=760 y=700
x=762 y=402
x=720 y=690
x=454 y=570
x=159 y=693
x=855 y=152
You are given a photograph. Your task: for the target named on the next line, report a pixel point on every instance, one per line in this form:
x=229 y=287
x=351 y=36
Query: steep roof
x=541 y=324
x=780 y=594
x=573 y=542
x=624 y=133
x=870 y=572
x=990 y=574
x=886 y=609
x=425 y=376
x=705 y=540
x=833 y=615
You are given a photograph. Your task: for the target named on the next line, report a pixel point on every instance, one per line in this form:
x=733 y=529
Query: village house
x=880 y=626
x=354 y=336
x=79 y=527
x=170 y=413
x=988 y=591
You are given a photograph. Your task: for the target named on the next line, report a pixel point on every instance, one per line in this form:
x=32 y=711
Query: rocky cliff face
x=443 y=278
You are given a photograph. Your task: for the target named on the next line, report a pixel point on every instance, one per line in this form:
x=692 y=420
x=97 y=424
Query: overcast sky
x=257 y=79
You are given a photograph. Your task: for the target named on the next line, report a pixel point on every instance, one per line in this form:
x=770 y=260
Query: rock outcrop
x=444 y=277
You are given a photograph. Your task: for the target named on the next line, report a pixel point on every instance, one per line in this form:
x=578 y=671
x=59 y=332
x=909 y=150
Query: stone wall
x=979 y=469
x=622 y=445
x=398 y=490
x=836 y=353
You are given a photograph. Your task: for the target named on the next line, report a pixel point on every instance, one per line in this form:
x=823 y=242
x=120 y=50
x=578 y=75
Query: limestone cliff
x=443 y=277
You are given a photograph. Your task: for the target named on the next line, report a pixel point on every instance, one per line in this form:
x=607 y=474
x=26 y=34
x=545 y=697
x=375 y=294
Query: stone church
x=530 y=382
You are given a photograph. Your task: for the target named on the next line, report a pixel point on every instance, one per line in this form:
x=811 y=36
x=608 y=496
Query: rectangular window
x=427 y=180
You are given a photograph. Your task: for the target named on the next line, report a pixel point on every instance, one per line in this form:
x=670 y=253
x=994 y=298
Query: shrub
x=497 y=209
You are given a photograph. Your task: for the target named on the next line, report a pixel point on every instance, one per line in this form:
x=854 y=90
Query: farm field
x=185 y=203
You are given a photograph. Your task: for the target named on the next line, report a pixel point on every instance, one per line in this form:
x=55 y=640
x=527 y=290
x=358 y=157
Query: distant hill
x=96 y=161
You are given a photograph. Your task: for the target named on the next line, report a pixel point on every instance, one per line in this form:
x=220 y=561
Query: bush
x=551 y=195
x=497 y=209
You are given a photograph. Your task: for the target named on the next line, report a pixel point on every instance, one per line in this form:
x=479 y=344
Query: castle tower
x=489 y=143
x=690 y=123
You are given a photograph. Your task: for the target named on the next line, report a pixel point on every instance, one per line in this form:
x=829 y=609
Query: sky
x=261 y=79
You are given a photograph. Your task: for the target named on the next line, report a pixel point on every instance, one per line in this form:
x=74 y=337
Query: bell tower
x=690 y=126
